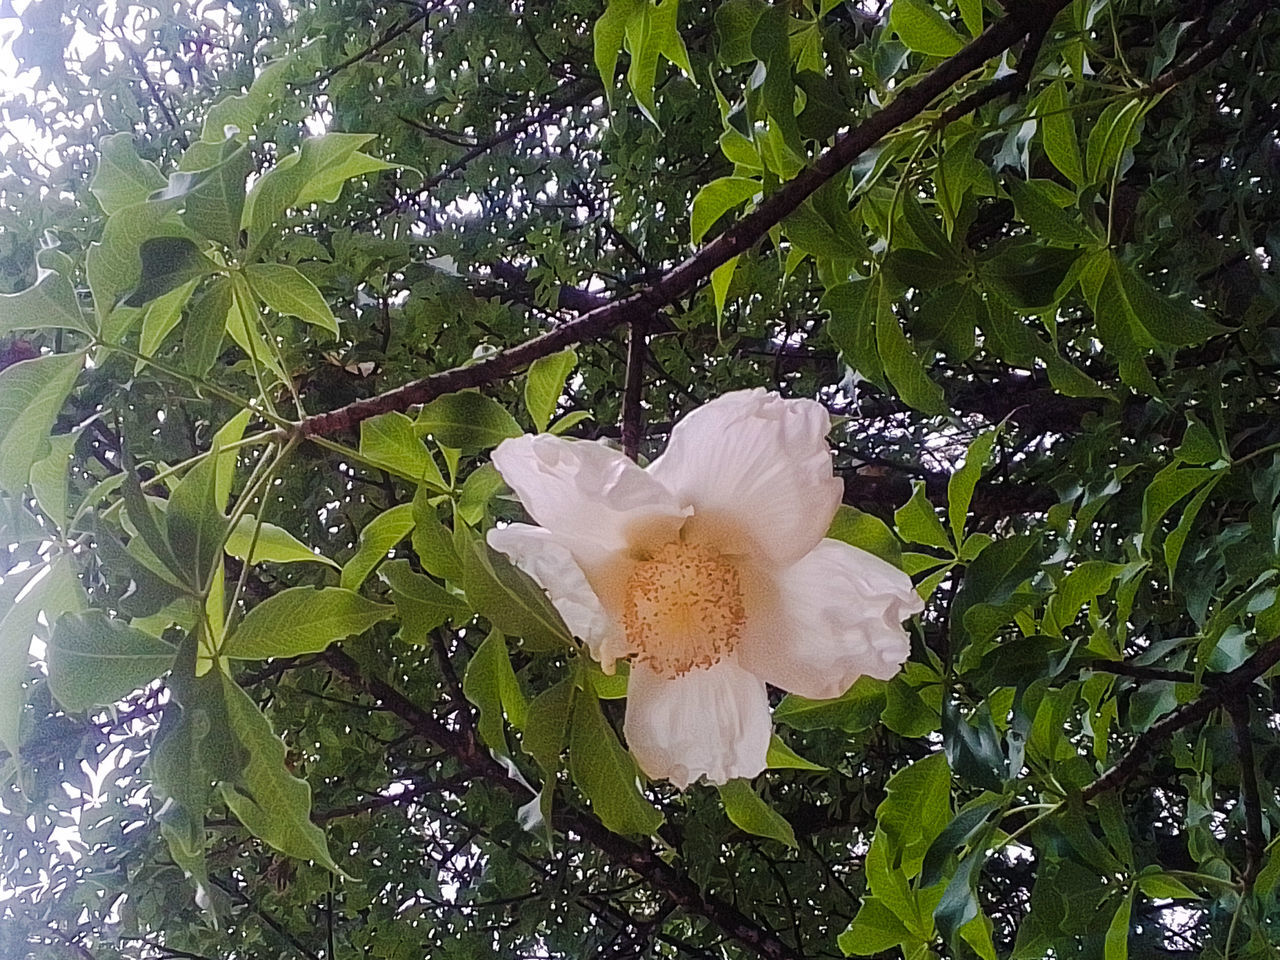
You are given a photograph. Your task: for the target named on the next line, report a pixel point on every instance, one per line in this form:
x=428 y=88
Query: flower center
x=683 y=609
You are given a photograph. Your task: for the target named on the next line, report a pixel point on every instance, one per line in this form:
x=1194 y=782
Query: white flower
x=710 y=573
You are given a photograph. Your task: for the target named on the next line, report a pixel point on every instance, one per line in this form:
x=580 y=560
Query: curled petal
x=590 y=496
x=711 y=722
x=835 y=616
x=755 y=467
x=537 y=552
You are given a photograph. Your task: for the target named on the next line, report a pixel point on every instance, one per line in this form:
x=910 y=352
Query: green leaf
x=962 y=483
x=433 y=541
x=1161 y=886
x=161 y=316
x=853 y=308
x=195 y=523
x=376 y=540
x=286 y=291
x=1084 y=583
x=510 y=600
x=270 y=801
x=866 y=532
x=876 y=929
x=467 y=421
x=390 y=443
x=50 y=302
x=1058 y=132
x=281 y=187
x=478 y=489
x=717 y=198
x=903 y=366
x=491 y=685
x=421 y=603
x=544 y=384
x=608 y=36
x=326 y=185
x=303 y=620
x=971 y=13
x=735 y=21
x=167 y=262
x=122 y=178
x=605 y=772
x=1037 y=207
x=271 y=544
x=1114 y=131
x=243 y=111
x=95 y=661
x=1116 y=944
x=1174 y=322
x=651 y=32
x=917 y=522
x=1199 y=445
x=923 y=29
x=750 y=813
x=1177 y=538
x=1168 y=487
x=721 y=278
x=32 y=393
x=916 y=809
x=206 y=327
x=49 y=476
x=213 y=198
x=771 y=43
x=858 y=709
x=49 y=590
x=782 y=757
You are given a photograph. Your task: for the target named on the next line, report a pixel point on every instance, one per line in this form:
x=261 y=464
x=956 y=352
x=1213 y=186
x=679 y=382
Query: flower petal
x=586 y=493
x=837 y=615
x=754 y=463
x=713 y=722
x=537 y=552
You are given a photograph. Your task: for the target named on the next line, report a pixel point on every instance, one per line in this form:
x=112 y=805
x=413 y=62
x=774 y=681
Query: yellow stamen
x=683 y=609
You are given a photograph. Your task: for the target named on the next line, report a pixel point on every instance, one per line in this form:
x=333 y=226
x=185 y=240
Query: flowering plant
x=710 y=572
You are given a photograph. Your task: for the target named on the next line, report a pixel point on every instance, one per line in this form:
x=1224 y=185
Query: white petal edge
x=751 y=462
x=713 y=723
x=536 y=551
x=589 y=495
x=836 y=616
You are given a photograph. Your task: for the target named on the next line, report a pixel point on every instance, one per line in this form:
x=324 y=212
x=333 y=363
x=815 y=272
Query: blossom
x=710 y=572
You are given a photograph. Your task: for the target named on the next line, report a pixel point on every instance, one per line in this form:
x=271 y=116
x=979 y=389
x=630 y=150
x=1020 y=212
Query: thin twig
x=391 y=34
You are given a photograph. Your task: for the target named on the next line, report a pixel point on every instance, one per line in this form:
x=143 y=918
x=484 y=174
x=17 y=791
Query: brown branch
x=1139 y=672
x=462 y=744
x=633 y=389
x=1211 y=51
x=686 y=276
x=1250 y=795
x=1233 y=687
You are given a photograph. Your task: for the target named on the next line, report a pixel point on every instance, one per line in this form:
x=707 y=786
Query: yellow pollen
x=683 y=609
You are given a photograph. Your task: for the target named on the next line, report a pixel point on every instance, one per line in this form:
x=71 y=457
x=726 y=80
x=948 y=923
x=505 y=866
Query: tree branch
x=1250 y=794
x=684 y=277
x=633 y=388
x=466 y=749
x=1233 y=687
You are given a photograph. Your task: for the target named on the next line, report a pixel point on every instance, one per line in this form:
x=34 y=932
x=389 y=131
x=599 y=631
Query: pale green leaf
x=94 y=660
x=782 y=757
x=286 y=291
x=918 y=523
x=123 y=178
x=270 y=544
x=50 y=302
x=376 y=540
x=391 y=443
x=467 y=421
x=716 y=199
x=491 y=685
x=962 y=483
x=750 y=813
x=270 y=801
x=510 y=599
x=303 y=620
x=544 y=384
x=31 y=396
x=605 y=772
x=421 y=603
x=923 y=29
